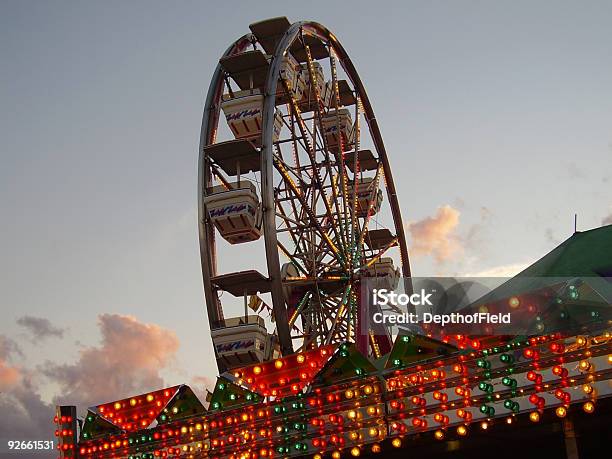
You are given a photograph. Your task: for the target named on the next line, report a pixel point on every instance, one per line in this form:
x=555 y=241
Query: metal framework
x=308 y=191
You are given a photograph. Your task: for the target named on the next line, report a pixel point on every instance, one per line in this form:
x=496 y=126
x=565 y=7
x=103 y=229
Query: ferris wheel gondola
x=303 y=129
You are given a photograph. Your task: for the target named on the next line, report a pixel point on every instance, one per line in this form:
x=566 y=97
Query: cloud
x=40 y=328
x=8 y=348
x=435 y=235
x=9 y=374
x=24 y=414
x=127 y=362
x=607 y=220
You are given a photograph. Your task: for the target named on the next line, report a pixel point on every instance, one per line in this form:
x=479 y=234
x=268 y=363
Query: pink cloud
x=128 y=361
x=9 y=374
x=23 y=412
x=435 y=236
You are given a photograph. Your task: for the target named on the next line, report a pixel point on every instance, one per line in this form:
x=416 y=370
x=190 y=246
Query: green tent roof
x=584 y=254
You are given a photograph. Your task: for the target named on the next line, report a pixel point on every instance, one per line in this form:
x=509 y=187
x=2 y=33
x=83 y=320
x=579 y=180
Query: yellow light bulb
x=396 y=442
x=257 y=370
x=336 y=455
x=588 y=407
x=534 y=416
x=349 y=394
x=561 y=411
x=300 y=359
x=484 y=425
x=278 y=364
x=439 y=434
x=462 y=430
x=376 y=448
x=355 y=451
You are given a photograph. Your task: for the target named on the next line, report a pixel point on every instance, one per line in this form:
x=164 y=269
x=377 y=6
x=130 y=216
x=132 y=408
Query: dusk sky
x=497 y=117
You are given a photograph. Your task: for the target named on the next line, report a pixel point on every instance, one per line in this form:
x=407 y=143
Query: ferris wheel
x=303 y=172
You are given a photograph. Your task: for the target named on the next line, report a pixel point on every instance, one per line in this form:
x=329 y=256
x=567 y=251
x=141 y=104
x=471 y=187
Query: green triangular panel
x=184 y=404
x=227 y=395
x=408 y=349
x=346 y=363
x=95 y=426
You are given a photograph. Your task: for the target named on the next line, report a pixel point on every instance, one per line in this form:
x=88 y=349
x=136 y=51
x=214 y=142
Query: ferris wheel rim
x=210 y=118
x=209 y=123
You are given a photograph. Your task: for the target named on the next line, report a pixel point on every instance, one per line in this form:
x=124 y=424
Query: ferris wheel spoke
x=354 y=220
x=339 y=153
x=303 y=184
x=340 y=314
x=292 y=258
x=380 y=253
x=319 y=108
x=302 y=304
x=308 y=210
x=310 y=150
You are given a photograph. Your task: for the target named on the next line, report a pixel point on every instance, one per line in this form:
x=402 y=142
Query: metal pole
x=246 y=308
x=569 y=435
